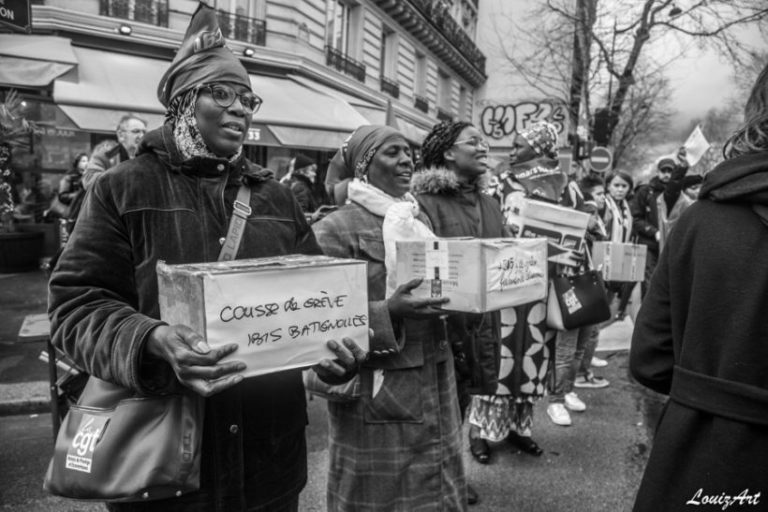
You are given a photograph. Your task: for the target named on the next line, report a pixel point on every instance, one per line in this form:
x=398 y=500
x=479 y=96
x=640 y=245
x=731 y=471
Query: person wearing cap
x=300 y=178
x=398 y=446
x=173 y=202
x=646 y=212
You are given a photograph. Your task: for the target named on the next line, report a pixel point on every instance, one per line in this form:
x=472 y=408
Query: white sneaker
x=574 y=403
x=598 y=363
x=559 y=415
x=590 y=380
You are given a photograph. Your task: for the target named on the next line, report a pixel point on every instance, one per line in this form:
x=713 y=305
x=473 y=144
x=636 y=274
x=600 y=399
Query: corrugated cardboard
x=280 y=311
x=620 y=262
x=563 y=226
x=477 y=275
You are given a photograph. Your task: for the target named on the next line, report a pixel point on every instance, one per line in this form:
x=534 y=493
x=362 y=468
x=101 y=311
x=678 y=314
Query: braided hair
x=439 y=140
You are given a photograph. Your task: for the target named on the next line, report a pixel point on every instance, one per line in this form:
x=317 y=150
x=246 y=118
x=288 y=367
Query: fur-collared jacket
x=464 y=209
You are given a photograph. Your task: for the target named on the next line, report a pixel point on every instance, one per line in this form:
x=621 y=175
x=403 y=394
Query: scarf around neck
x=400 y=222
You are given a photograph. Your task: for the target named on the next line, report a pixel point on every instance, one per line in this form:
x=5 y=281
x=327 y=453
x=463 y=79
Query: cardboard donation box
x=477 y=275
x=560 y=225
x=620 y=262
x=280 y=311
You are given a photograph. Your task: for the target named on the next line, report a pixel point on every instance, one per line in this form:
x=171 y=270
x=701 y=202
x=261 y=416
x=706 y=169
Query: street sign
x=16 y=14
x=600 y=159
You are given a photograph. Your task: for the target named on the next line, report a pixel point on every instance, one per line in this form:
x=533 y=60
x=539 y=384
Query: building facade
x=323 y=68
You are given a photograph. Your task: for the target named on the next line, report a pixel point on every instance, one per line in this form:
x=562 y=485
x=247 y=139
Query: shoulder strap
x=241 y=210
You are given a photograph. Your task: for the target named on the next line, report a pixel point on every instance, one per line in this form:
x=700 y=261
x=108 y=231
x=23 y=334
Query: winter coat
x=303 y=189
x=700 y=337
x=645 y=212
x=456 y=209
x=103 y=302
x=104 y=157
x=398 y=448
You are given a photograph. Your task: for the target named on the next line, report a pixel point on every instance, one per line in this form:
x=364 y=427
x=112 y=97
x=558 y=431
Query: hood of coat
x=161 y=143
x=441 y=181
x=742 y=179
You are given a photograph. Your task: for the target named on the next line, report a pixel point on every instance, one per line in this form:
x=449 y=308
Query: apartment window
x=444 y=90
x=243 y=20
x=337 y=25
x=420 y=86
x=388 y=52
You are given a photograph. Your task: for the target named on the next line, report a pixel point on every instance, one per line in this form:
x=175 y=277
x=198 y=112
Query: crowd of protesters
x=399 y=445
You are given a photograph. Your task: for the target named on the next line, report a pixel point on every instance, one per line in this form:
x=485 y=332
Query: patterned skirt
x=527 y=347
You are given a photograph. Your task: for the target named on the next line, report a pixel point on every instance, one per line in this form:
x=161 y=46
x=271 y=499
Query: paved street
x=595 y=465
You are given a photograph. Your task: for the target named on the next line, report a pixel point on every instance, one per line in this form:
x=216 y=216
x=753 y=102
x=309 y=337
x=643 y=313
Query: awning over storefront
x=34 y=61
x=113 y=81
x=112 y=84
x=287 y=103
x=105 y=120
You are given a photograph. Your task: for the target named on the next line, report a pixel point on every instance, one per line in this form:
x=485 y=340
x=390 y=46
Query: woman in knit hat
x=398 y=446
x=174 y=202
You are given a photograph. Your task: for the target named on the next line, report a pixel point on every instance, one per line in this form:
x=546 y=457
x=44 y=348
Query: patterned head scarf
x=355 y=155
x=202 y=58
x=542 y=137
x=186 y=133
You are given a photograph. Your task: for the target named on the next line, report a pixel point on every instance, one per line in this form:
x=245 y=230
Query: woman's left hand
x=349 y=357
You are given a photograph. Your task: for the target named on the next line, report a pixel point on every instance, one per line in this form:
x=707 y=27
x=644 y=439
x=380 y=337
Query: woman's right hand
x=196 y=365
x=402 y=304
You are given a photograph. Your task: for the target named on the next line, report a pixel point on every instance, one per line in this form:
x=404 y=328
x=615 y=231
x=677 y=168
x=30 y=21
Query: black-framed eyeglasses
x=475 y=142
x=224 y=96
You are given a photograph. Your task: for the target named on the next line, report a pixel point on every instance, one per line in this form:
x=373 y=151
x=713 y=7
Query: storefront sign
x=501 y=121
x=16 y=14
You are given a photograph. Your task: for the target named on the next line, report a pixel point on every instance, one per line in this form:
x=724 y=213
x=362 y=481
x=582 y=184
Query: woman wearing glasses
x=450 y=191
x=174 y=202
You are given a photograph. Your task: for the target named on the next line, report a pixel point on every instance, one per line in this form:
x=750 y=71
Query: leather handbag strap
x=241 y=210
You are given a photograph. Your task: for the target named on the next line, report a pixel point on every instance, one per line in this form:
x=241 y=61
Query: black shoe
x=472 y=496
x=480 y=450
x=525 y=444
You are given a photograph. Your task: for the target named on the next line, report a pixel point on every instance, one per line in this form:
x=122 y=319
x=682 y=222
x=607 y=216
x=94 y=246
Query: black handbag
x=577 y=300
x=116 y=446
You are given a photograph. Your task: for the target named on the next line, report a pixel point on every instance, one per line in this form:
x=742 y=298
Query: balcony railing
x=437 y=12
x=421 y=103
x=154 y=12
x=444 y=115
x=242 y=28
x=342 y=62
x=390 y=87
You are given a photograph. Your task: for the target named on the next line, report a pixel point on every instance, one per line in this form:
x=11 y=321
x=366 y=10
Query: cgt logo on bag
x=80 y=452
x=572 y=302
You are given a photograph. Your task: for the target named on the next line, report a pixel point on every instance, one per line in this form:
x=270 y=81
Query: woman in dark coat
x=398 y=447
x=451 y=191
x=173 y=202
x=700 y=337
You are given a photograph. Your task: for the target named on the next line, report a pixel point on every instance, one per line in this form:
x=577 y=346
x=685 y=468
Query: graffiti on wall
x=501 y=121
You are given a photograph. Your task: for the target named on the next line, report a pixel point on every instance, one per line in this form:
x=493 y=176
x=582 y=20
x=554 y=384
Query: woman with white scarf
x=618 y=222
x=398 y=446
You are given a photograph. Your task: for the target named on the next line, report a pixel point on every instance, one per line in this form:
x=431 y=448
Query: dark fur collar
x=441 y=181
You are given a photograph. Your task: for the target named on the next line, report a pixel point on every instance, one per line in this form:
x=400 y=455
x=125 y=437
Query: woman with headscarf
x=397 y=447
x=451 y=191
x=526 y=344
x=174 y=202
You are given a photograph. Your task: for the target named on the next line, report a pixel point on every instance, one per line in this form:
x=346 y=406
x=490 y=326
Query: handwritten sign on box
x=476 y=274
x=280 y=311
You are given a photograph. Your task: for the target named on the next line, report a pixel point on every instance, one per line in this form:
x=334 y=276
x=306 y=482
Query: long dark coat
x=399 y=450
x=702 y=338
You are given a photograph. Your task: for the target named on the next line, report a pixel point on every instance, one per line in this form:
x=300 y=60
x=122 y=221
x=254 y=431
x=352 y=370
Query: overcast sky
x=699 y=80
